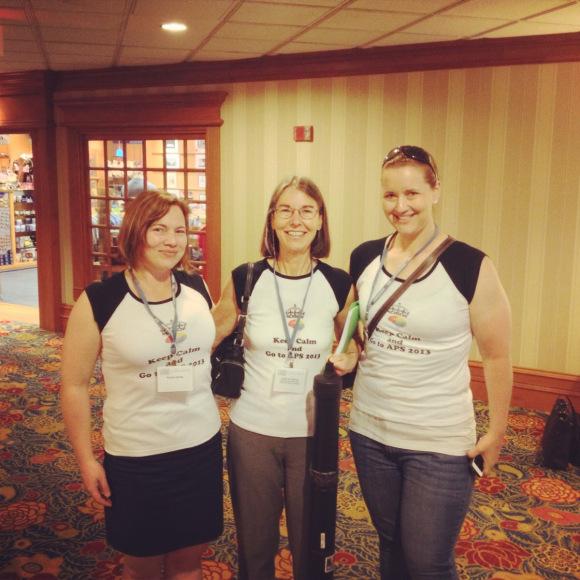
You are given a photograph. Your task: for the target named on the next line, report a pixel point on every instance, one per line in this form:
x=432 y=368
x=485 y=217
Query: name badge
x=175 y=379
x=287 y=380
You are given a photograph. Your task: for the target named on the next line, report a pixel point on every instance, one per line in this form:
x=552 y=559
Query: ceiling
x=62 y=35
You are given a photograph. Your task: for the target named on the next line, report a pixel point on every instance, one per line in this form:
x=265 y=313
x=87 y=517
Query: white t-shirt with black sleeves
x=137 y=419
x=412 y=389
x=261 y=409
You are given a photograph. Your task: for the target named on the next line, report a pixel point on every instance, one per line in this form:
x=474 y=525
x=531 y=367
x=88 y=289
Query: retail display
x=17 y=213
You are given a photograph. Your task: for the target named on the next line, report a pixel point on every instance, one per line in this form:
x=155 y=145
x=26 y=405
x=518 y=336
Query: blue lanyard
x=388 y=243
x=165 y=329
x=290 y=339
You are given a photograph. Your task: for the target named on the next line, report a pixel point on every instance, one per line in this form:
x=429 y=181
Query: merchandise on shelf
x=17 y=226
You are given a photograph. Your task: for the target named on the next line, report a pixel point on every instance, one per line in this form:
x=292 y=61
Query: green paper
x=350 y=326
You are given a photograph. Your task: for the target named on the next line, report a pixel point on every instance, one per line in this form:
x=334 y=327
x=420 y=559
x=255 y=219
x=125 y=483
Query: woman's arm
x=344 y=362
x=491 y=326
x=225 y=313
x=82 y=344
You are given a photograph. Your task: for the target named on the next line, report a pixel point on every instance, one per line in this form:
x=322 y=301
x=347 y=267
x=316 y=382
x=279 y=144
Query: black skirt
x=165 y=502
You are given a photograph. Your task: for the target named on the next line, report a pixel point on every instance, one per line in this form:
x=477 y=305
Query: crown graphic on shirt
x=294 y=312
x=399 y=310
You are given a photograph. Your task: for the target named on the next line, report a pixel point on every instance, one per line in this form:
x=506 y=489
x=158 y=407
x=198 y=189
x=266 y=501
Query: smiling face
x=408 y=198
x=295 y=233
x=165 y=241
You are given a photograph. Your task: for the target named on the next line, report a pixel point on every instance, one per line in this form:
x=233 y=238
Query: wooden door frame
x=139 y=116
x=25 y=108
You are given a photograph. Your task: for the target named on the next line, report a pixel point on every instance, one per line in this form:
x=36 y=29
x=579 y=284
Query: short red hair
x=140 y=214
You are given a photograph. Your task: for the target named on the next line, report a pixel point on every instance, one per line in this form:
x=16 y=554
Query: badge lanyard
x=290 y=339
x=166 y=330
x=372 y=301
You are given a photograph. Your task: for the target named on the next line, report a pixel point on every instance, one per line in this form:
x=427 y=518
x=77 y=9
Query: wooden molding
x=25 y=101
x=26 y=83
x=137 y=111
x=362 y=61
x=532 y=389
x=47 y=220
x=65 y=310
x=213 y=208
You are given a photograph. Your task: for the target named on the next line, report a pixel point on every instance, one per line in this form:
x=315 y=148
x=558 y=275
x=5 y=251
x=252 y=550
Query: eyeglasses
x=414 y=153
x=307 y=212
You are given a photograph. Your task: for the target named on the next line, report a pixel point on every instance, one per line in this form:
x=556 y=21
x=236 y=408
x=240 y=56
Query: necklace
x=299 y=315
x=282 y=268
x=168 y=330
x=388 y=243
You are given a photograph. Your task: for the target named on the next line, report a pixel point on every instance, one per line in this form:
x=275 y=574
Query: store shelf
x=18 y=266
x=17 y=247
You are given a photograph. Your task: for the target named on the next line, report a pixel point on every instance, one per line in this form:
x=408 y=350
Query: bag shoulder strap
x=248 y=287
x=425 y=264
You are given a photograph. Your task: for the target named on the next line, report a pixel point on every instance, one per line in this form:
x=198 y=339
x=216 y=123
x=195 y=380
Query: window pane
x=134 y=154
x=116 y=184
x=155 y=178
x=196 y=186
x=154 y=153
x=115 y=155
x=116 y=212
x=98 y=212
x=99 y=261
x=97 y=183
x=174 y=158
x=195 y=148
x=135 y=185
x=96 y=154
x=116 y=258
x=197 y=247
x=196 y=216
x=98 y=241
x=176 y=183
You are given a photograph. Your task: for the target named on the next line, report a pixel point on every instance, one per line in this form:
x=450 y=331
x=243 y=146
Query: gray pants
x=266 y=474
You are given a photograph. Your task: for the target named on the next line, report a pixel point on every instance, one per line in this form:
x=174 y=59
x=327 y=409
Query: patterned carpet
x=524 y=523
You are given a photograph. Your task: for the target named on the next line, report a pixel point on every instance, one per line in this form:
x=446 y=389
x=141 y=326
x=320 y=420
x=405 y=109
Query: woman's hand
x=489 y=447
x=95 y=482
x=345 y=362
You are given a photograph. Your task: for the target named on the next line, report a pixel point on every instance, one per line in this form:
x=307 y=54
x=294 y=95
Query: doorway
x=18 y=257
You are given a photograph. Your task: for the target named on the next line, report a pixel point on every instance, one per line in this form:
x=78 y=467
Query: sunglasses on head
x=411 y=152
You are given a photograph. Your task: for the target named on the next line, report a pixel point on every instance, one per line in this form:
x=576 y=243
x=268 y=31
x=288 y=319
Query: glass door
x=119 y=169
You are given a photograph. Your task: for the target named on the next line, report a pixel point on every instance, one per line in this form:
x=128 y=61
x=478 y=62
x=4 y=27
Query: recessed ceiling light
x=174 y=26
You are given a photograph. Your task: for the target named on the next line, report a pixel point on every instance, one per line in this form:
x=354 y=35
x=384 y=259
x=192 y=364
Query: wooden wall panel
x=505 y=138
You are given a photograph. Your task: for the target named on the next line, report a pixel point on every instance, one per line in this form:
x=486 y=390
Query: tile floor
x=19 y=295
x=19 y=287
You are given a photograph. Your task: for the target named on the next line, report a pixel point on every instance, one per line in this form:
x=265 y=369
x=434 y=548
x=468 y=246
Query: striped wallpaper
x=507 y=141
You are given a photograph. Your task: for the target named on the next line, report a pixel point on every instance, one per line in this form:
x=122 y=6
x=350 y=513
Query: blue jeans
x=417 y=502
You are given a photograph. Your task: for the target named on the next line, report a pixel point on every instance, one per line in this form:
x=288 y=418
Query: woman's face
x=408 y=198
x=165 y=241
x=296 y=232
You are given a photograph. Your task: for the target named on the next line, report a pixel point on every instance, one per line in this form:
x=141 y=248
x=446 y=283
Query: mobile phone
x=477 y=465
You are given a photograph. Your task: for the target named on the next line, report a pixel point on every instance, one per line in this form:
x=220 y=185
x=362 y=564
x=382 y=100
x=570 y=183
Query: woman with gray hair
x=297 y=304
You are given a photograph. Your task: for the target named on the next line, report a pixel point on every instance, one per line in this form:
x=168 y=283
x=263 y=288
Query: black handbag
x=560 y=438
x=227 y=360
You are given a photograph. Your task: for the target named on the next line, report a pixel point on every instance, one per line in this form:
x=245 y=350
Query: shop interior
x=18 y=258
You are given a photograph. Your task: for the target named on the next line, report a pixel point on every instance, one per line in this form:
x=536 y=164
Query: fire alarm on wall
x=304 y=133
